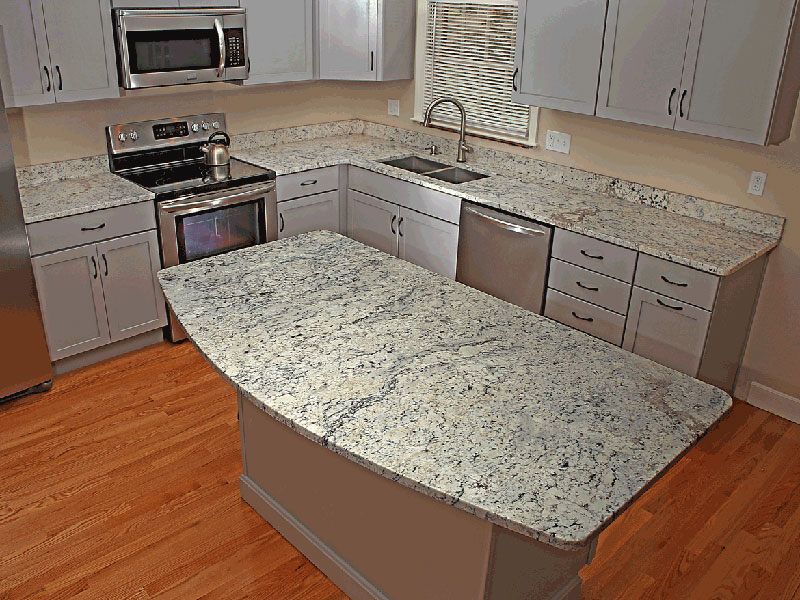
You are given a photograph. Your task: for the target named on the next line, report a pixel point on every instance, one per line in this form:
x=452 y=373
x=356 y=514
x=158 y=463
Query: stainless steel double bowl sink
x=433 y=169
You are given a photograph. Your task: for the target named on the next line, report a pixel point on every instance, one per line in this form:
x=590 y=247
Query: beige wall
x=691 y=164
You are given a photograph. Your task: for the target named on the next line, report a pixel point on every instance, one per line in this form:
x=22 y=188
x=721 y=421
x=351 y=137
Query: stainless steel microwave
x=167 y=46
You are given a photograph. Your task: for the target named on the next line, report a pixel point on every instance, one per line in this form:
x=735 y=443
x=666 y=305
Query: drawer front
x=306 y=183
x=676 y=281
x=87 y=228
x=409 y=195
x=592 y=254
x=590 y=286
x=589 y=318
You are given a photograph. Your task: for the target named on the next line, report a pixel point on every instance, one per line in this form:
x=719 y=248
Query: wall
x=705 y=167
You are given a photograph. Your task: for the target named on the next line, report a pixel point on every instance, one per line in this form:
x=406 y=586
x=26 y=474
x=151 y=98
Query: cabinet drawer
x=307 y=183
x=87 y=228
x=590 y=286
x=594 y=255
x=676 y=281
x=589 y=318
x=409 y=195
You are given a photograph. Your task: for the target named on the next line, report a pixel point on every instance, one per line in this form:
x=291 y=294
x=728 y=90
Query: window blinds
x=469 y=55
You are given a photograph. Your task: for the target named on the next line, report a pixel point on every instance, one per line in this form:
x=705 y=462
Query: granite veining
x=500 y=412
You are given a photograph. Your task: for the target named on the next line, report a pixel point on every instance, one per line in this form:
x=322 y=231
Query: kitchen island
x=416 y=438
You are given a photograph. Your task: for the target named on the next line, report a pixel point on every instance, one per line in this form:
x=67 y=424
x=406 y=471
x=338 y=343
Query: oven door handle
x=222 y=50
x=175 y=207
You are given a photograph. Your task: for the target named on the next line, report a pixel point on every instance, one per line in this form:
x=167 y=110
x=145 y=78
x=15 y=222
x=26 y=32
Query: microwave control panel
x=234 y=47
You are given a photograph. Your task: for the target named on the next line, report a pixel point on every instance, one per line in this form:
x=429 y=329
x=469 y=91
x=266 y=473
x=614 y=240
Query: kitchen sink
x=456 y=175
x=415 y=164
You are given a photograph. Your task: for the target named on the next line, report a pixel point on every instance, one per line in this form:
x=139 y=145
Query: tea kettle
x=217 y=149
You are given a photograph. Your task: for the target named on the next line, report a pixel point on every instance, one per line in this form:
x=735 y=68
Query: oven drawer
x=307 y=183
x=589 y=318
x=86 y=228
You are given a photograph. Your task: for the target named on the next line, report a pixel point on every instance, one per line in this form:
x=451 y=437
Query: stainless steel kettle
x=218 y=149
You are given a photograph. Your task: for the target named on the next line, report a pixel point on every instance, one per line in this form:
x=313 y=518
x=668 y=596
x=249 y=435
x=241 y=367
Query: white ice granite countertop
x=703 y=245
x=503 y=413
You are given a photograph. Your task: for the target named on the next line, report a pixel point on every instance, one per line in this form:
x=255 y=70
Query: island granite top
x=500 y=412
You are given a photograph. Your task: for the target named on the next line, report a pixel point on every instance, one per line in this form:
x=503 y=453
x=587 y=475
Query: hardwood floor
x=122 y=483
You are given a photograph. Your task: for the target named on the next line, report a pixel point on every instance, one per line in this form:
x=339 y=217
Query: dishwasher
x=504 y=256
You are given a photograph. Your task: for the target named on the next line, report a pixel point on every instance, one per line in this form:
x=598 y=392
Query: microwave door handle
x=222 y=57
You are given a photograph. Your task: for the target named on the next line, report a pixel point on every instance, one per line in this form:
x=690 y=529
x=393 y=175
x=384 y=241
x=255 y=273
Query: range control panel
x=163 y=133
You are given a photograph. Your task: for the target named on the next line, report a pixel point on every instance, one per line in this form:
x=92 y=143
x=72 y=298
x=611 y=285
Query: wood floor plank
x=122 y=482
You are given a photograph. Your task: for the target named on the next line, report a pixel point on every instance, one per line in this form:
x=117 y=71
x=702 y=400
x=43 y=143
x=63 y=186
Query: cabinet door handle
x=94 y=264
x=95 y=228
x=674 y=282
x=391 y=225
x=400 y=226
x=105 y=263
x=683 y=97
x=586 y=287
x=669 y=102
x=592 y=256
x=49 y=81
x=282 y=223
x=514 y=80
x=665 y=305
x=309 y=182
x=506 y=225
x=60 y=78
x=587 y=319
x=372 y=61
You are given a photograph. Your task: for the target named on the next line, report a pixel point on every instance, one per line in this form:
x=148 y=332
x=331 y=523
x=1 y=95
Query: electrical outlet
x=394 y=108
x=558 y=142
x=758 y=181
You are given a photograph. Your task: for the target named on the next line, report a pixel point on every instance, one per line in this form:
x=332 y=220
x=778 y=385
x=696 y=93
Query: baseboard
x=350 y=581
x=778 y=403
x=78 y=361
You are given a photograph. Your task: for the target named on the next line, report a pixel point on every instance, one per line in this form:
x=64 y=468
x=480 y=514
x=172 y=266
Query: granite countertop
x=703 y=245
x=74 y=196
x=478 y=403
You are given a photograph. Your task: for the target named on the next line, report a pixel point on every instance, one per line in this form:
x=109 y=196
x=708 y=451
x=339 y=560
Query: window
x=465 y=49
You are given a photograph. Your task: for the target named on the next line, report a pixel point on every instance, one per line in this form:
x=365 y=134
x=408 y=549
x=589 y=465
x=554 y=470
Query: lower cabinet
x=99 y=293
x=418 y=238
x=310 y=213
x=667 y=331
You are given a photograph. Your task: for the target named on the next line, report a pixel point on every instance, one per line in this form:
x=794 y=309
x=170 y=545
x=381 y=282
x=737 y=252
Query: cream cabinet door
x=643 y=57
x=666 y=331
x=311 y=213
x=348 y=35
x=733 y=67
x=559 y=44
x=71 y=297
x=372 y=221
x=428 y=242
x=28 y=78
x=134 y=301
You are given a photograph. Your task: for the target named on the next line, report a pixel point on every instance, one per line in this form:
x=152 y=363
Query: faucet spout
x=463 y=148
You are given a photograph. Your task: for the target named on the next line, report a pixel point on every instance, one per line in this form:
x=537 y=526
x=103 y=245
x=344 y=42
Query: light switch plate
x=758 y=182
x=394 y=108
x=558 y=142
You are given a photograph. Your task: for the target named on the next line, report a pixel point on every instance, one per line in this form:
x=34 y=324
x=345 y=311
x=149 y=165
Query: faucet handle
x=467 y=147
x=433 y=149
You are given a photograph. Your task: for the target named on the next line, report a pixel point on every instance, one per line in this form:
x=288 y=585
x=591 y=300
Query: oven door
x=168 y=47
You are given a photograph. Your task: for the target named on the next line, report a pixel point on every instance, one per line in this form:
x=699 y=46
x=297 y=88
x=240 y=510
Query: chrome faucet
x=462 y=144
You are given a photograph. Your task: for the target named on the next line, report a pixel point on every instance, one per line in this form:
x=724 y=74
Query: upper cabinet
x=367 y=40
x=559 y=43
x=723 y=68
x=280 y=40
x=59 y=51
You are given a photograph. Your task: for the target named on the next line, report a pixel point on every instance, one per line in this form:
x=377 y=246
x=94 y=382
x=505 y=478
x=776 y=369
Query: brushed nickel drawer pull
x=95 y=228
x=668 y=305
x=592 y=256
x=586 y=287
x=587 y=319
x=674 y=282
x=310 y=182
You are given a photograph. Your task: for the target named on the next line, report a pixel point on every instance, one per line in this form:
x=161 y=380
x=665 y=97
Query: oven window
x=189 y=49
x=221 y=230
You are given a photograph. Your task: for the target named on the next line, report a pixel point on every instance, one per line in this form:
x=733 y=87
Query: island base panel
x=377 y=539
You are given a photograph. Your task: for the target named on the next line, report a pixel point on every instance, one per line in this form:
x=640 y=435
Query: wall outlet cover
x=758 y=182
x=558 y=142
x=394 y=108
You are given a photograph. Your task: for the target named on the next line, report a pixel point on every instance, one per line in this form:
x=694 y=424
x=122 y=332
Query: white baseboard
x=778 y=403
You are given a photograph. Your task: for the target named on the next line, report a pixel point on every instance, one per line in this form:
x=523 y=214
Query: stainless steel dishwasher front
x=504 y=256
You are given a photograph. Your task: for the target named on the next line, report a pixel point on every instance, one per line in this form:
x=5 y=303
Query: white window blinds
x=469 y=55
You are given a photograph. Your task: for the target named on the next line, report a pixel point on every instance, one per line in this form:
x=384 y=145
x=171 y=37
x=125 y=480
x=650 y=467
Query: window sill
x=492 y=137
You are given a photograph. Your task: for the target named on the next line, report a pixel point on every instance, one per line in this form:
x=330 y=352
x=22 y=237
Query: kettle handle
x=223 y=134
